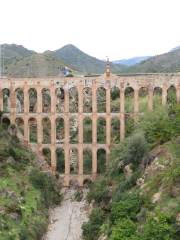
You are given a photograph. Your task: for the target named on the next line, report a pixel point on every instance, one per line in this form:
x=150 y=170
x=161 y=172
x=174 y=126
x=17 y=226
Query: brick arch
x=32 y=130
x=20 y=124
x=6 y=94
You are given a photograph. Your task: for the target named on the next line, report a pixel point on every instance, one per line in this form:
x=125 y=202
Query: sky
x=115 y=28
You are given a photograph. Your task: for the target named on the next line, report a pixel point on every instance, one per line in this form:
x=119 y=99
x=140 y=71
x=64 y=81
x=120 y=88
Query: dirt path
x=67 y=219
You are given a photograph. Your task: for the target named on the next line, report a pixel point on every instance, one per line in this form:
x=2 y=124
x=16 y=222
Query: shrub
x=92 y=227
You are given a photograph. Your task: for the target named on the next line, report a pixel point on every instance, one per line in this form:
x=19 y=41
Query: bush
x=125 y=229
x=92 y=227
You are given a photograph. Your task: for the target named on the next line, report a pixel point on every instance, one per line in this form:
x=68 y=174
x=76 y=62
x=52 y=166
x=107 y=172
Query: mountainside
x=167 y=62
x=131 y=61
x=21 y=62
x=82 y=61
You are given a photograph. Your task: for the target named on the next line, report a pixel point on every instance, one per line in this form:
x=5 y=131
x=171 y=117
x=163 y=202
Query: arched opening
x=101 y=130
x=20 y=125
x=46 y=100
x=32 y=130
x=46 y=124
x=47 y=155
x=32 y=100
x=73 y=122
x=60 y=160
x=101 y=161
x=19 y=100
x=87 y=182
x=74 y=166
x=87 y=130
x=6 y=100
x=60 y=131
x=129 y=125
x=171 y=96
x=101 y=99
x=6 y=122
x=87 y=161
x=73 y=100
x=115 y=99
x=157 y=97
x=60 y=98
x=129 y=100
x=143 y=99
x=115 y=131
x=87 y=100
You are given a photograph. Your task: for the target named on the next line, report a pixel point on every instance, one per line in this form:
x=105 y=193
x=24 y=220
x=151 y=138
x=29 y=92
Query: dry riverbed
x=67 y=219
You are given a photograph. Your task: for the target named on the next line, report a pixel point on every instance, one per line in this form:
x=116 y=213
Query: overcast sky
x=115 y=28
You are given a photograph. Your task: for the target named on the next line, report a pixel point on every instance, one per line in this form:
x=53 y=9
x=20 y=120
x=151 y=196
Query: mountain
x=83 y=62
x=131 y=61
x=21 y=62
x=174 y=49
x=167 y=62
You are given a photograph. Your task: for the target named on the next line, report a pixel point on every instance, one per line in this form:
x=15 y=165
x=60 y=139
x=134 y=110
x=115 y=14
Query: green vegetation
x=139 y=195
x=26 y=193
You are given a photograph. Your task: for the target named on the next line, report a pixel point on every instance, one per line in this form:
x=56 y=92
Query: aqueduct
x=101 y=101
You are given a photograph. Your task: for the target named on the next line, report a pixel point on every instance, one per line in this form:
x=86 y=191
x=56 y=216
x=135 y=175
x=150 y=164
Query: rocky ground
x=67 y=219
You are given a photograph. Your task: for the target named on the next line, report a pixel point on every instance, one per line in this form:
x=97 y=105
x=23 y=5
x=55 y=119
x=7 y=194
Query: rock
x=102 y=237
x=156 y=197
x=178 y=218
x=140 y=181
x=11 y=160
x=128 y=171
x=15 y=216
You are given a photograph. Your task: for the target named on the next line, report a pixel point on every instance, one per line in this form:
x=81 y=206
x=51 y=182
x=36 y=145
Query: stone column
x=122 y=126
x=122 y=117
x=94 y=97
x=53 y=158
x=80 y=132
x=39 y=130
x=94 y=161
x=53 y=98
x=1 y=98
x=150 y=98
x=164 y=95
x=12 y=103
x=39 y=98
x=178 y=94
x=26 y=98
x=136 y=101
x=108 y=130
x=108 y=100
x=26 y=129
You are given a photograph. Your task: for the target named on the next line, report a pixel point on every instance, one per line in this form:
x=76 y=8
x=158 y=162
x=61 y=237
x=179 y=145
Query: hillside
x=139 y=196
x=131 y=61
x=168 y=62
x=82 y=61
x=26 y=193
x=36 y=65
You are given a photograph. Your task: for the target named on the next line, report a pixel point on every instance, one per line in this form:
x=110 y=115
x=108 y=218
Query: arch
x=101 y=130
x=60 y=160
x=171 y=95
x=157 y=97
x=87 y=182
x=46 y=100
x=143 y=99
x=101 y=161
x=20 y=124
x=87 y=100
x=6 y=122
x=73 y=129
x=115 y=99
x=129 y=100
x=60 y=130
x=101 y=99
x=46 y=125
x=87 y=130
x=32 y=123
x=87 y=161
x=73 y=100
x=115 y=130
x=129 y=125
x=32 y=100
x=6 y=100
x=74 y=165
x=19 y=100
x=60 y=98
x=47 y=155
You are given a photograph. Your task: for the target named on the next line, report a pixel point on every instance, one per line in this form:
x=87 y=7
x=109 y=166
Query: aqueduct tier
x=52 y=114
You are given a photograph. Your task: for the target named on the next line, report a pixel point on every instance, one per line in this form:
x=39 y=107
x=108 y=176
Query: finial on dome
x=108 y=72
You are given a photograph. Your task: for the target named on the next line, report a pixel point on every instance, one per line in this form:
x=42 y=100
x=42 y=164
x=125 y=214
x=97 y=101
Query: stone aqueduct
x=107 y=82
